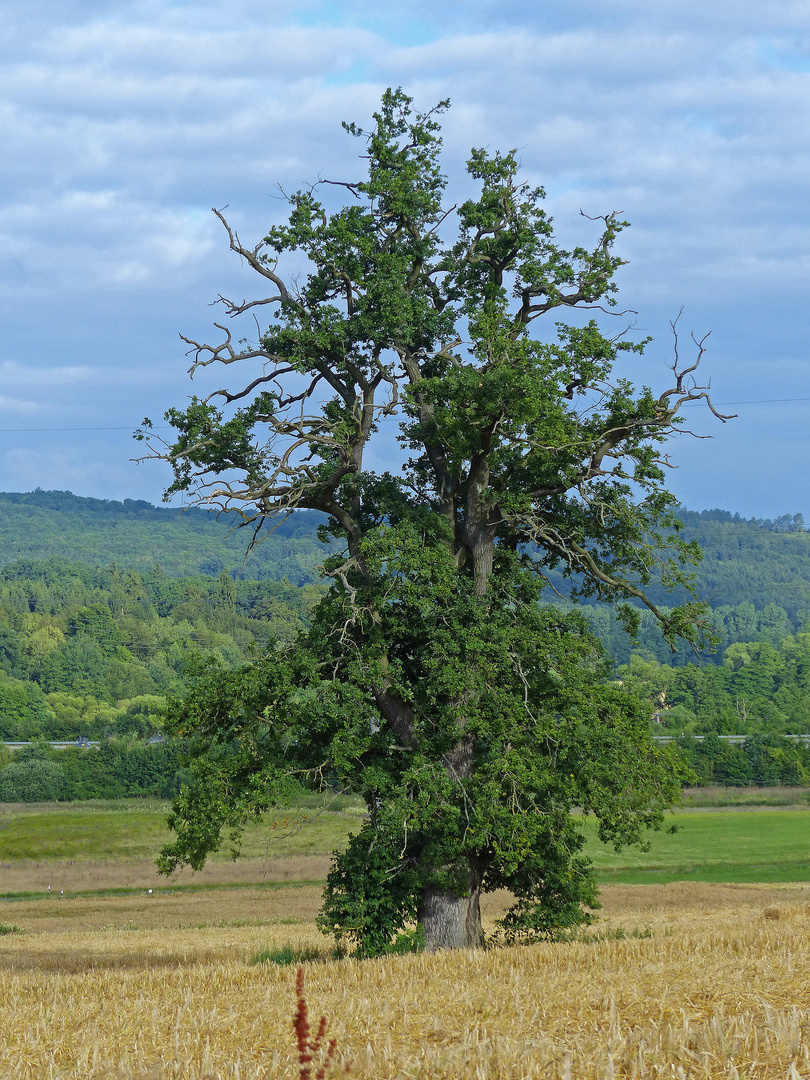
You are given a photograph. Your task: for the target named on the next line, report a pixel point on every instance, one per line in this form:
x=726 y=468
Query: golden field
x=163 y=986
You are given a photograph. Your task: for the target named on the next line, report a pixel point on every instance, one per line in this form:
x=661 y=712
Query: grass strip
x=169 y=890
x=718 y=874
x=735 y=847
x=286 y=955
x=103 y=834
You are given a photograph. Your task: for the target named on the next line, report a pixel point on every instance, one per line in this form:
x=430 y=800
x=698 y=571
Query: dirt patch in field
x=119 y=948
x=165 y=910
x=631 y=907
x=77 y=876
x=693 y=902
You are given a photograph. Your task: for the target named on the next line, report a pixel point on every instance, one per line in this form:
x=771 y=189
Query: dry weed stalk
x=309 y=1050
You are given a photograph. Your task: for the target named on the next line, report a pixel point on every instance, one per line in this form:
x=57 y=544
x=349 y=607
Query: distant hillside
x=134 y=534
x=755 y=575
x=102 y=605
x=754 y=561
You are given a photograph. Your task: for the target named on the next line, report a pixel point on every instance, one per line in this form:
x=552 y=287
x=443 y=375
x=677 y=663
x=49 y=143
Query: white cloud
x=123 y=122
x=15 y=374
x=113 y=241
x=86 y=469
x=17 y=405
x=127 y=273
x=114 y=47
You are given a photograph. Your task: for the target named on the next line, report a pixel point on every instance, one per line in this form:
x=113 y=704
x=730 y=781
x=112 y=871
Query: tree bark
x=451 y=921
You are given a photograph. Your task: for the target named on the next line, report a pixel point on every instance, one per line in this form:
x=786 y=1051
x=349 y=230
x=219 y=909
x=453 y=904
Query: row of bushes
x=26 y=714
x=761 y=759
x=123 y=768
x=117 y=769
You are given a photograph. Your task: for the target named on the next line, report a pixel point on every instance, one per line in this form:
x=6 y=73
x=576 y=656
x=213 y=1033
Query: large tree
x=470 y=718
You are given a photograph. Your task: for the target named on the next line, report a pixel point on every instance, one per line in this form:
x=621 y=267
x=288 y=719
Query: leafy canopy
x=471 y=719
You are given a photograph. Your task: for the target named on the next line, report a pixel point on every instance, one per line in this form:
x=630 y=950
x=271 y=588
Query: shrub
x=35 y=780
x=287 y=954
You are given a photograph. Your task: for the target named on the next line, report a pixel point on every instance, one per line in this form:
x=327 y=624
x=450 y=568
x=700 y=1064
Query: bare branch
x=254 y=259
x=353 y=188
x=686 y=388
x=235 y=309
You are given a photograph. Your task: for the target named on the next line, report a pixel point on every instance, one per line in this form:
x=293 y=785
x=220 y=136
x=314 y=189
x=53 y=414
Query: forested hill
x=755 y=561
x=133 y=534
x=96 y=627
x=758 y=561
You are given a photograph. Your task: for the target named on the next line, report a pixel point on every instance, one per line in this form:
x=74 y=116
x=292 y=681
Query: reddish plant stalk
x=308 y=1049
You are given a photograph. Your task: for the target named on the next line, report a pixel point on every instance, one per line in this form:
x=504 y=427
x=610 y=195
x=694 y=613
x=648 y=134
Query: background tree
x=470 y=720
x=32 y=777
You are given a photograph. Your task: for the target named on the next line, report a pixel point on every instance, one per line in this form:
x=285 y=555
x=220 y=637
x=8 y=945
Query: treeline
x=93 y=651
x=732 y=624
x=764 y=759
x=759 y=688
x=116 y=769
x=759 y=561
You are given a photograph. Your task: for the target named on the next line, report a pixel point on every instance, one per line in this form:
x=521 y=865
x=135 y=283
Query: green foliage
x=758 y=689
x=754 y=559
x=369 y=895
x=185 y=542
x=470 y=719
x=766 y=759
x=40 y=602
x=285 y=955
x=585 y=744
x=90 y=651
x=407 y=942
x=548 y=735
x=35 y=779
x=115 y=769
x=24 y=713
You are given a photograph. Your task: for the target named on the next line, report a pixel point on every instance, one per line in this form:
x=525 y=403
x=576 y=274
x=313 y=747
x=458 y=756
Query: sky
x=123 y=123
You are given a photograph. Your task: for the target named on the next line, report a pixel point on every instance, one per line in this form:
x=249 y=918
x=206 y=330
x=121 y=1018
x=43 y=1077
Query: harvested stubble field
x=163 y=986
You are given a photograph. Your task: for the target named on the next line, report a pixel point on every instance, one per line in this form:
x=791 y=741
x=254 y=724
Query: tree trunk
x=451 y=921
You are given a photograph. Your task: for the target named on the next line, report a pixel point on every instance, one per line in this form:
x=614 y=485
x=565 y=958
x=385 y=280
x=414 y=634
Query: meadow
x=684 y=979
x=721 y=845
x=113 y=845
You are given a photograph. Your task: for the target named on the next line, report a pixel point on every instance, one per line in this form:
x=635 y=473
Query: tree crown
x=532 y=445
x=470 y=719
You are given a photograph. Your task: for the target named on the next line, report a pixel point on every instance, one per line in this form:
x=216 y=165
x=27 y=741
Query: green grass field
x=128 y=830
x=729 y=846
x=720 y=845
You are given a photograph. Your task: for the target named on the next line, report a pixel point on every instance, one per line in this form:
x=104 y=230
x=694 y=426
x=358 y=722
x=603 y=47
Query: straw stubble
x=720 y=989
